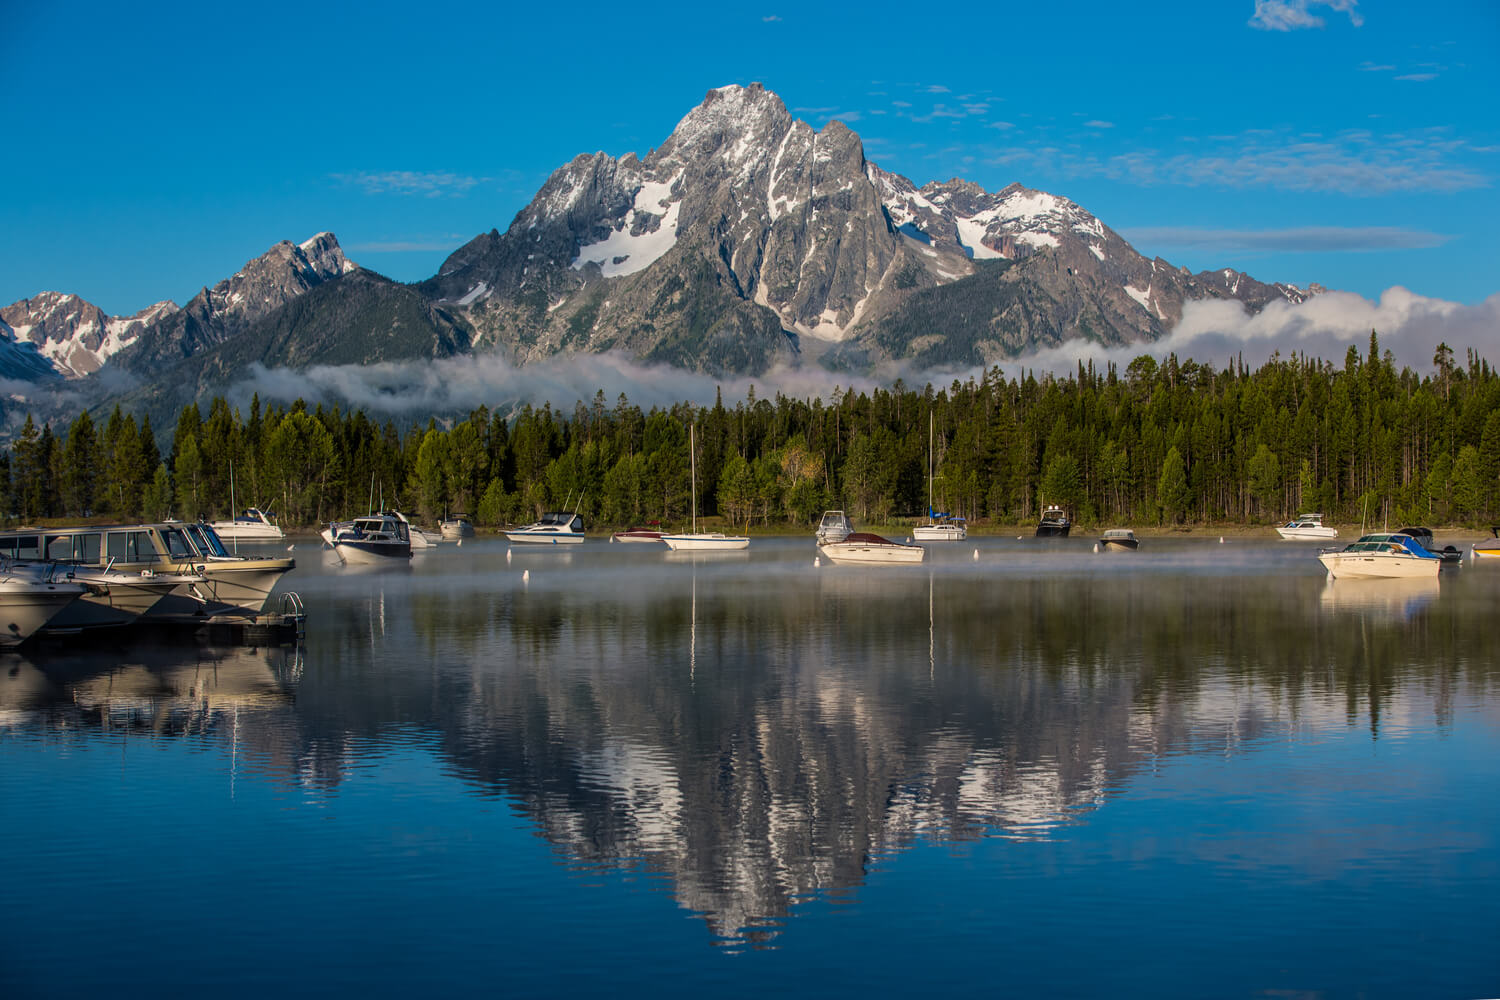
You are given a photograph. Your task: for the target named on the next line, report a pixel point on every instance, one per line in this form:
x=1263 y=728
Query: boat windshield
x=560 y=519
x=206 y=539
x=178 y=546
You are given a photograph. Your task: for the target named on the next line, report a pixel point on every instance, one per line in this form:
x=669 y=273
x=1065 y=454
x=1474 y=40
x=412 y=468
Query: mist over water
x=871 y=780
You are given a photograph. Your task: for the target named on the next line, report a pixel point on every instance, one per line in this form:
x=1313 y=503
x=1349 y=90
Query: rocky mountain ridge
x=746 y=238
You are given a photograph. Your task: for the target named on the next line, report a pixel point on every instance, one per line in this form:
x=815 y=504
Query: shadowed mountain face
x=745 y=239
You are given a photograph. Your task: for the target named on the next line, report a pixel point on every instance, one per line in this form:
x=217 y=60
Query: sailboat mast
x=693 y=462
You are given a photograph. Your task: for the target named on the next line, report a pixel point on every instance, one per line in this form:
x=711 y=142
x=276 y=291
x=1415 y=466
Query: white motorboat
x=835 y=527
x=1118 y=540
x=1386 y=555
x=1306 y=527
x=373 y=540
x=940 y=526
x=865 y=549
x=456 y=527
x=696 y=541
x=1054 y=523
x=27 y=603
x=253 y=525
x=230 y=586
x=555 y=528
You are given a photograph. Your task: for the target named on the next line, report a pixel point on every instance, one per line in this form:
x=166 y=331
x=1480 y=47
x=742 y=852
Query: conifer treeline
x=1158 y=443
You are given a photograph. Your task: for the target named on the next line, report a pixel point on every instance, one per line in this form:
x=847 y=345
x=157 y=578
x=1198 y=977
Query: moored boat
x=1385 y=555
x=1054 y=523
x=648 y=535
x=252 y=525
x=232 y=586
x=372 y=540
x=866 y=549
x=456 y=527
x=1118 y=540
x=1306 y=527
x=940 y=526
x=695 y=541
x=554 y=528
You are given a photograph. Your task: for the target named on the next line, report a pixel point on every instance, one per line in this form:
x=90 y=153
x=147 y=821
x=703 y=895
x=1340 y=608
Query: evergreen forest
x=1161 y=443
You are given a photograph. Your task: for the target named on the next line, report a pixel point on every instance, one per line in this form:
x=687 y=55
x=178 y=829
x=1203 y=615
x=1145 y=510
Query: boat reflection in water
x=1397 y=599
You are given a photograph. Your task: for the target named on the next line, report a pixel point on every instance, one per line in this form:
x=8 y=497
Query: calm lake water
x=1195 y=770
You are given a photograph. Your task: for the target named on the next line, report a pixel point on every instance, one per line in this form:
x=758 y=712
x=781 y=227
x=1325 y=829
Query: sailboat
x=704 y=541
x=940 y=527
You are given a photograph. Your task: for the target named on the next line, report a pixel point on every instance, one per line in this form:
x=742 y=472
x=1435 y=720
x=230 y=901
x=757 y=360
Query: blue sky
x=155 y=149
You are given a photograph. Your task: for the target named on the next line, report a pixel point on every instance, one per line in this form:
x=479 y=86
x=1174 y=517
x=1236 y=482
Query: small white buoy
x=525 y=576
x=611 y=539
x=976 y=555
x=507 y=555
x=460 y=543
x=908 y=539
x=817 y=561
x=1096 y=546
x=291 y=546
x=1221 y=539
x=1018 y=538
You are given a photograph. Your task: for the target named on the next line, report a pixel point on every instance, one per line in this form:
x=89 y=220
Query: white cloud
x=1291 y=15
x=1408 y=325
x=456 y=385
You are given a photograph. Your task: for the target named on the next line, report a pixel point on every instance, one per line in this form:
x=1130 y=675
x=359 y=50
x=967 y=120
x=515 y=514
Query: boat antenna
x=370 y=507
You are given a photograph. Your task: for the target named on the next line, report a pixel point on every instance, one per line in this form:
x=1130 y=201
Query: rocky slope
x=745 y=239
x=74 y=335
x=745 y=207
x=215 y=315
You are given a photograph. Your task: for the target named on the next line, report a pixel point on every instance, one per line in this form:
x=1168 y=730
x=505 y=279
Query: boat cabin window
x=129 y=547
x=21 y=547
x=80 y=547
x=576 y=524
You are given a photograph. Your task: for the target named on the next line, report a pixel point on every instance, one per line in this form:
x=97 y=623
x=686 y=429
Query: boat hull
x=376 y=553
x=867 y=554
x=1118 y=545
x=1378 y=566
x=705 y=542
x=939 y=533
x=25 y=608
x=648 y=537
x=116 y=600
x=544 y=537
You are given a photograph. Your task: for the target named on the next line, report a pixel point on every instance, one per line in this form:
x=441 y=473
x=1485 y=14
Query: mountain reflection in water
x=757 y=730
